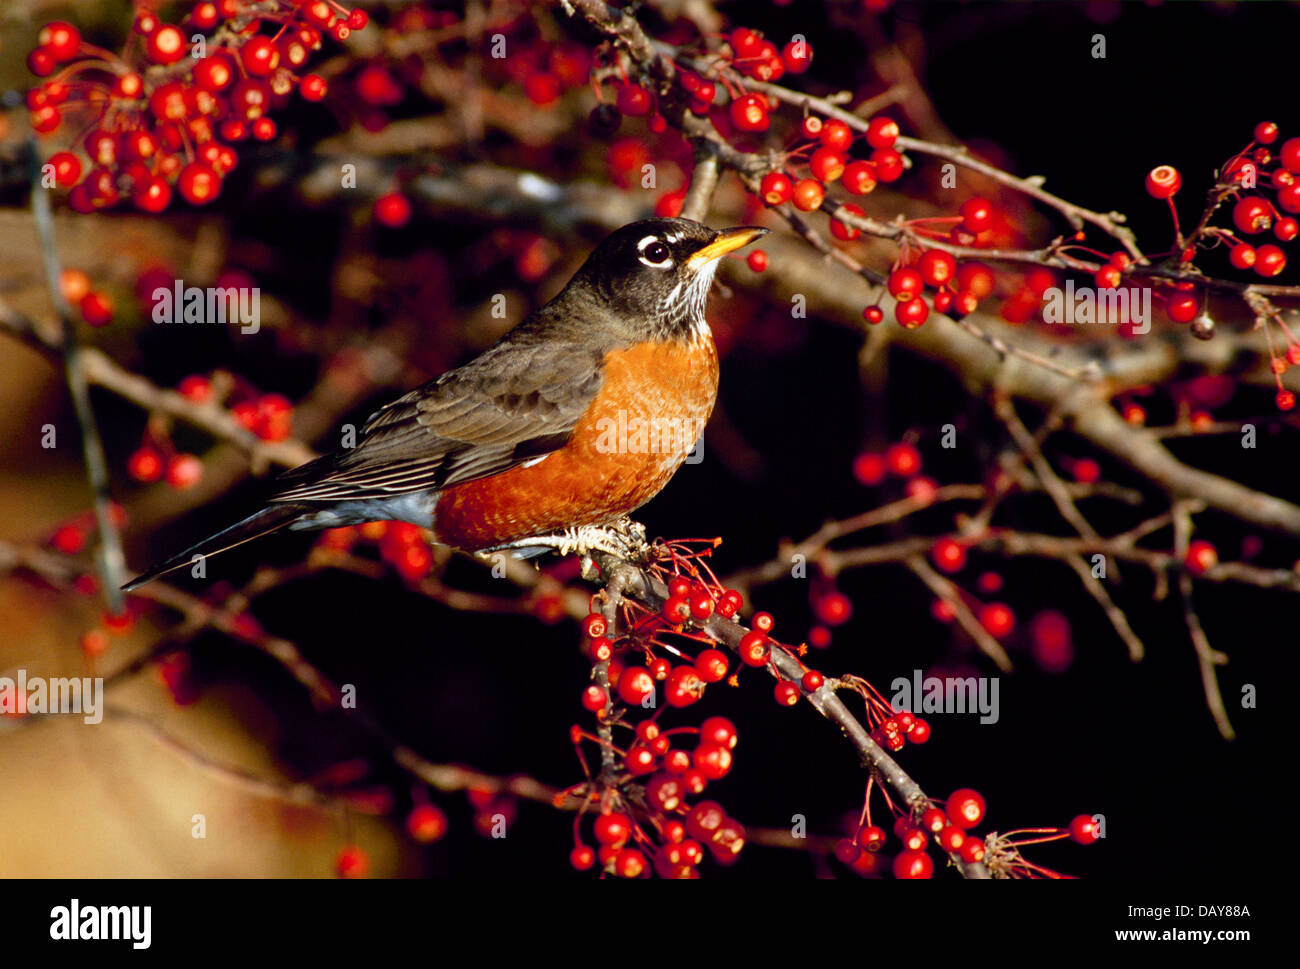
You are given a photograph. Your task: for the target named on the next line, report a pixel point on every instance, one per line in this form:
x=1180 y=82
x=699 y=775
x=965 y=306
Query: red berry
x=787 y=694
x=913 y=864
x=847 y=851
x=313 y=87
x=912 y=313
x=859 y=177
x=749 y=113
x=145 y=465
x=997 y=618
x=843 y=231
x=94 y=642
x=763 y=622
x=1252 y=214
x=392 y=210
x=1269 y=260
x=68 y=539
x=882 y=132
x=934 y=820
x=718 y=730
x=757 y=260
x=166 y=45
x=42 y=62
x=1266 y=132
x=61 y=39
x=746 y=43
x=973 y=850
x=352 y=862
x=753 y=648
x=937 y=268
x=869 y=468
x=836 y=135
x=797 y=56
x=594 y=698
x=633 y=100
x=684 y=686
x=426 y=823
x=965 y=808
x=1163 y=182
x=905 y=284
x=676 y=610
x=152 y=195
x=582 y=858
x=96 y=308
x=776 y=188
x=949 y=555
x=198 y=183
x=701 y=605
x=976 y=214
x=1085 y=830
x=613 y=829
x=1286 y=229
x=1242 y=255
x=259 y=56
x=712 y=760
x=712 y=665
x=811 y=127
x=950 y=838
x=834 y=609
x=808 y=195
x=873 y=315
x=67 y=168
x=1182 y=307
x=903 y=460
x=1201 y=557
x=635 y=684
x=889 y=164
x=1290 y=155
x=826 y=165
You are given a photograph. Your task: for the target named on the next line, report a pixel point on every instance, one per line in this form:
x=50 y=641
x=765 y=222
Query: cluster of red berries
x=900 y=460
x=401 y=544
x=1250 y=172
x=95 y=306
x=831 y=608
x=827 y=145
x=949 y=825
x=1245 y=178
x=269 y=416
x=161 y=115
x=671 y=836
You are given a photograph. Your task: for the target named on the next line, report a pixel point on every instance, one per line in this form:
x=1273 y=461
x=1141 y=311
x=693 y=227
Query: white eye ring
x=654 y=253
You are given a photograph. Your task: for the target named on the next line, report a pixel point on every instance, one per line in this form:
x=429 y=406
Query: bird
x=549 y=438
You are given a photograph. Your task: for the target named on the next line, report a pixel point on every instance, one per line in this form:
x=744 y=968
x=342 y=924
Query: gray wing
x=514 y=402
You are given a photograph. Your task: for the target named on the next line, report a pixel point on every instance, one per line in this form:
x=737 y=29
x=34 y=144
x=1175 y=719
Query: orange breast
x=650 y=411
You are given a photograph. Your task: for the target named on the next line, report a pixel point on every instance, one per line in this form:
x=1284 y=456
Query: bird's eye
x=655 y=254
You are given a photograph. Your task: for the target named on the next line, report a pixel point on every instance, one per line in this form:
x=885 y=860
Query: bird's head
x=654 y=275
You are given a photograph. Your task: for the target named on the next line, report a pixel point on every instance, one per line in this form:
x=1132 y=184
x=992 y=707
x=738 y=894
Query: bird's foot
x=623 y=538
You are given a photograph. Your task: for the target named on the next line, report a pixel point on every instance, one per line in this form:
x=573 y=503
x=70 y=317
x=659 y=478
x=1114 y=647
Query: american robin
x=576 y=417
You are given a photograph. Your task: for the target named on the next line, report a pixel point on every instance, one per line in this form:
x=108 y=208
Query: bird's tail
x=269 y=519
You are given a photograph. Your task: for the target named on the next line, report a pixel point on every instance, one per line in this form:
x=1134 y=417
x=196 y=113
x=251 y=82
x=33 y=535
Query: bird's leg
x=623 y=537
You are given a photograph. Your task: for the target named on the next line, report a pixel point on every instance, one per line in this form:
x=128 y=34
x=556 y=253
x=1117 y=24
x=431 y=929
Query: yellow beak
x=729 y=240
